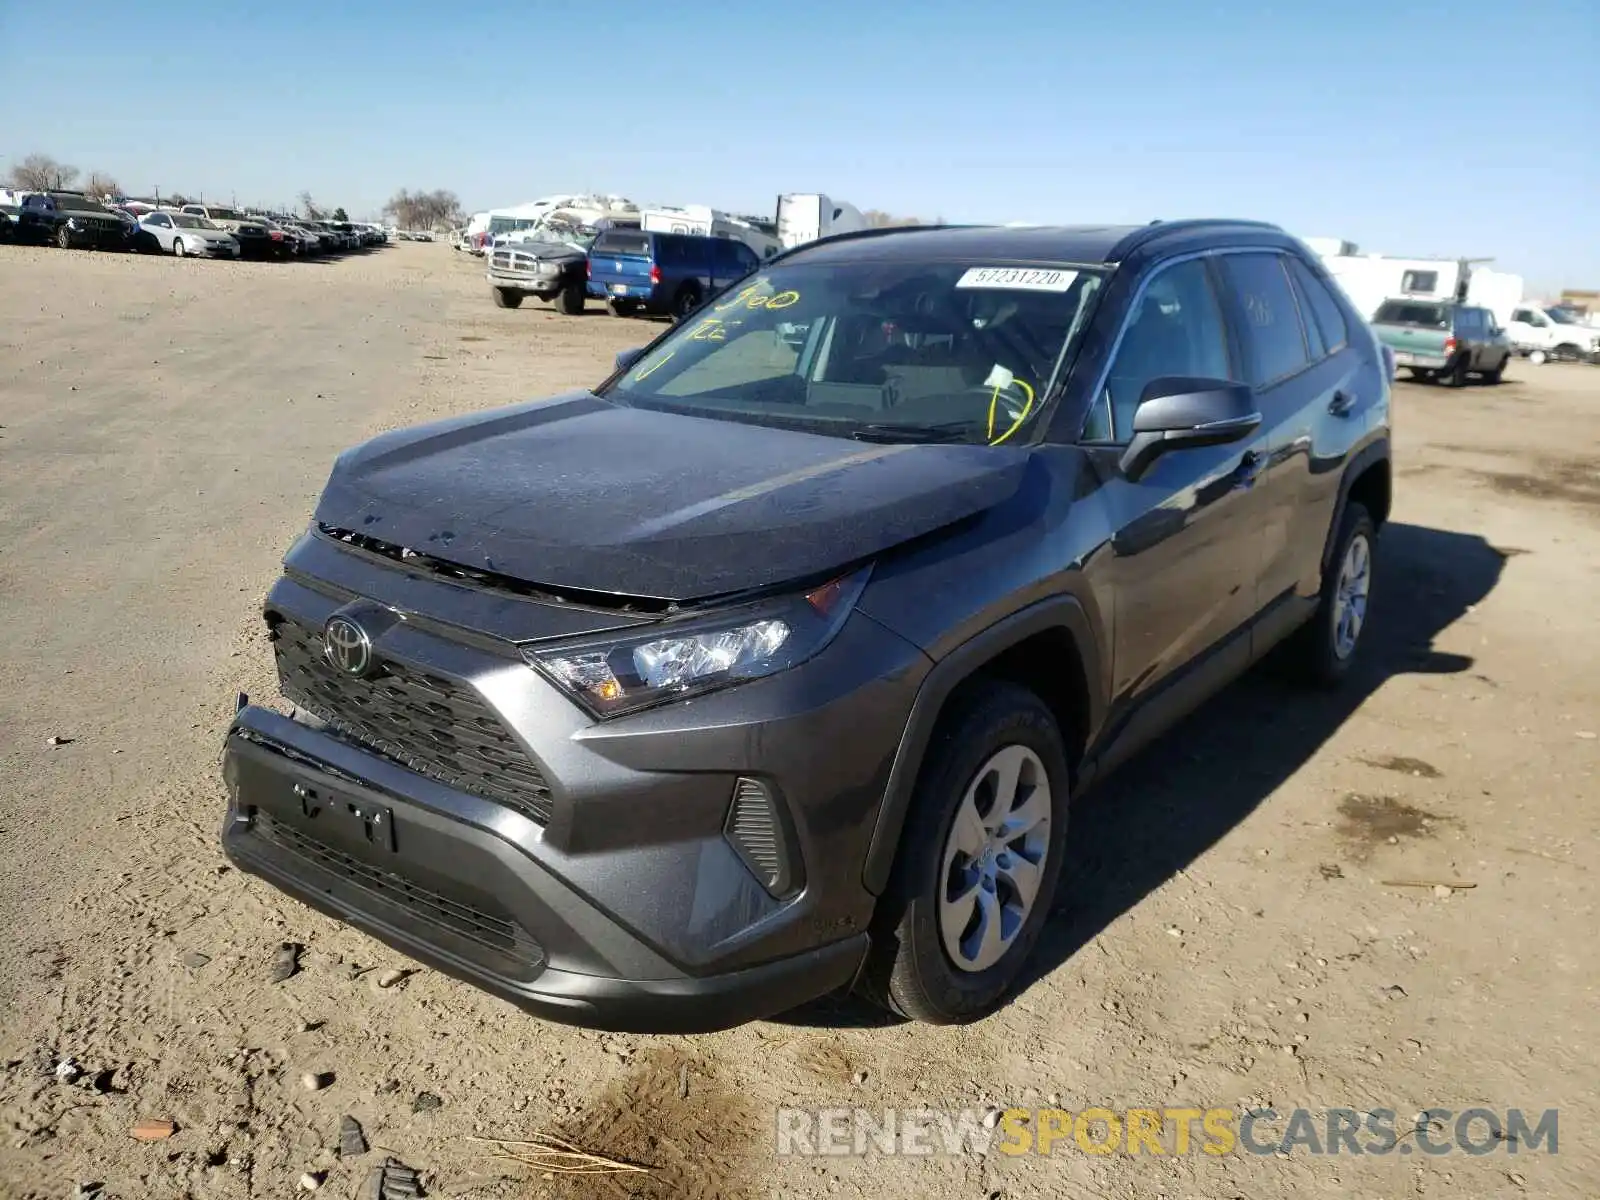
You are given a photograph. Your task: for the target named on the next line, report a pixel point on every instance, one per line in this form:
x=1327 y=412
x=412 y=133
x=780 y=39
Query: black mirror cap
x=1173 y=403
x=626 y=358
x=1181 y=413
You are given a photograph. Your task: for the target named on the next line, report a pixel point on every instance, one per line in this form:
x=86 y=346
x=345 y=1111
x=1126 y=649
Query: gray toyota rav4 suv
x=769 y=667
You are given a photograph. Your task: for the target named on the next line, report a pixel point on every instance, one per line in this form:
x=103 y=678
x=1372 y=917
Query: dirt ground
x=1232 y=932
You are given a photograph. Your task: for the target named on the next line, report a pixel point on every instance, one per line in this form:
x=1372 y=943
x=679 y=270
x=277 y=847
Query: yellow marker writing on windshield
x=994 y=401
x=645 y=372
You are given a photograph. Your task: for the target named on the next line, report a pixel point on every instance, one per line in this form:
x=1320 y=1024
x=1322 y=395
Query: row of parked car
x=73 y=219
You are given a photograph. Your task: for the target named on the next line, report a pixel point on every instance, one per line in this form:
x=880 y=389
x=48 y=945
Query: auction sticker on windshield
x=1017 y=279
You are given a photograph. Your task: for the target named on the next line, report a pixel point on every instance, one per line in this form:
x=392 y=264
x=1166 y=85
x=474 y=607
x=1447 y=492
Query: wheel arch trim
x=948 y=674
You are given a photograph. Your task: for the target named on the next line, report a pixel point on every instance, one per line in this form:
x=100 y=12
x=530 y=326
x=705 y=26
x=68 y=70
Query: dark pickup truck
x=1444 y=342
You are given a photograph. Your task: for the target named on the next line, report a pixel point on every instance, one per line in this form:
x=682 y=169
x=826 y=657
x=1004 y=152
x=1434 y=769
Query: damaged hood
x=575 y=493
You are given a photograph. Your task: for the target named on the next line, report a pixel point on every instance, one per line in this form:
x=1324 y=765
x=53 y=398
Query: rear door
x=727 y=263
x=1293 y=379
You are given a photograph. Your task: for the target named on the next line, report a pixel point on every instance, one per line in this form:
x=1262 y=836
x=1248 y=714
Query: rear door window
x=1275 y=343
x=1404 y=312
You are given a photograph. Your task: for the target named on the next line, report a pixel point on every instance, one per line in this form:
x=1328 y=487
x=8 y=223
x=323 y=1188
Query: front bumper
x=542 y=286
x=616 y=897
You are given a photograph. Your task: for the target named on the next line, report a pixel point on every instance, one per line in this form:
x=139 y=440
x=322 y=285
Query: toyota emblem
x=347 y=646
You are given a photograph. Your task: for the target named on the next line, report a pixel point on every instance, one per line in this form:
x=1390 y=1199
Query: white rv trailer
x=1370 y=279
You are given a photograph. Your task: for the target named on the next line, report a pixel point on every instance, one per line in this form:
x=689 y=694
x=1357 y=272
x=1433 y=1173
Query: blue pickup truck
x=670 y=274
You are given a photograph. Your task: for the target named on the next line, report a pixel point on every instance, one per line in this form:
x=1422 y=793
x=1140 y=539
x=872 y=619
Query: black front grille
x=491 y=928
x=434 y=726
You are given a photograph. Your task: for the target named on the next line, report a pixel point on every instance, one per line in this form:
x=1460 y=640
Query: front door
x=1179 y=575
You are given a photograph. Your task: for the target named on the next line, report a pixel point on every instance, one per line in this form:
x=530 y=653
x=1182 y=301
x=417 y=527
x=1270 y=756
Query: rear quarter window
x=1423 y=316
x=1325 y=312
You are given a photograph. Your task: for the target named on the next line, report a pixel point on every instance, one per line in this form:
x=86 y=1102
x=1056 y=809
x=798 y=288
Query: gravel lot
x=1226 y=936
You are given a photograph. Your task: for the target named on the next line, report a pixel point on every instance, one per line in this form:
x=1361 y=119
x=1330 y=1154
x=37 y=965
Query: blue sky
x=1466 y=127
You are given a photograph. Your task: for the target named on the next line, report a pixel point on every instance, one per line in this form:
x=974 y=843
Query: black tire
x=908 y=970
x=1498 y=374
x=64 y=237
x=1314 y=653
x=685 y=302
x=570 y=301
x=177 y=247
x=1455 y=375
x=620 y=308
x=506 y=298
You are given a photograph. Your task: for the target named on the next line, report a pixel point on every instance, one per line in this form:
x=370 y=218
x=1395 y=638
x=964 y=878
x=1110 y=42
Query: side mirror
x=1182 y=413
x=626 y=358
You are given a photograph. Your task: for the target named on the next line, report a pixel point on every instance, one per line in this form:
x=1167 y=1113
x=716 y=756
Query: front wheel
x=64 y=237
x=177 y=247
x=506 y=298
x=570 y=301
x=1538 y=357
x=1499 y=373
x=979 y=859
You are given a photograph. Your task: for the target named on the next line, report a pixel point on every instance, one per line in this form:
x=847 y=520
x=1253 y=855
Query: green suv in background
x=1442 y=341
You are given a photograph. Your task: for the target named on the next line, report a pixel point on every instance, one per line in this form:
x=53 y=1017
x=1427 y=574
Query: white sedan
x=183 y=233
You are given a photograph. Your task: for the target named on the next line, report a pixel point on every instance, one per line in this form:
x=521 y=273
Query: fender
x=1056 y=612
x=1373 y=452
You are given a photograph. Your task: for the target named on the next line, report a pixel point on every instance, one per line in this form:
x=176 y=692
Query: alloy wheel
x=994 y=858
x=1350 y=598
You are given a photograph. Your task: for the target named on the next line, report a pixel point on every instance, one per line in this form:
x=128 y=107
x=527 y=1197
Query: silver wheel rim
x=1350 y=600
x=994 y=858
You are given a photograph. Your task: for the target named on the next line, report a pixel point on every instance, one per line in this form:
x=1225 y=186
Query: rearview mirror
x=1182 y=413
x=626 y=358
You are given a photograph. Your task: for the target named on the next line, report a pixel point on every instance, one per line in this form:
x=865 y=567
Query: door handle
x=1341 y=404
x=1244 y=475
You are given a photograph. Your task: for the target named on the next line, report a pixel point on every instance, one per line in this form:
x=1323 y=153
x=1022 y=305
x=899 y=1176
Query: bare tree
x=41 y=173
x=423 y=210
x=313 y=211
x=100 y=184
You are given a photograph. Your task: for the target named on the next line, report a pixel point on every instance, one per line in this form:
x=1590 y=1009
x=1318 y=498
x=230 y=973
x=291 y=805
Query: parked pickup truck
x=1542 y=333
x=555 y=267
x=1441 y=341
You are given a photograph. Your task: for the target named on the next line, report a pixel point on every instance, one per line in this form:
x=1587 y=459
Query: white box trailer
x=806 y=216
x=1370 y=279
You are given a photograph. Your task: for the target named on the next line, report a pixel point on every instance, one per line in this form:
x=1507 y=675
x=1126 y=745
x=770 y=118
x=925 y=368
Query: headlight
x=677 y=659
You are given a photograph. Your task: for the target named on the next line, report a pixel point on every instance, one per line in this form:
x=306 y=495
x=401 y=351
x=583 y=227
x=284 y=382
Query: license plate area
x=347 y=818
x=619 y=289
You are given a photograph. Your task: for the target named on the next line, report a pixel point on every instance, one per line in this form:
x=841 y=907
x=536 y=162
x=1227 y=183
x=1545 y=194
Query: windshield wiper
x=950 y=431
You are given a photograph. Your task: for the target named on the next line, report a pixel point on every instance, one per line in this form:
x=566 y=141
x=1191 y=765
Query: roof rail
x=1160 y=228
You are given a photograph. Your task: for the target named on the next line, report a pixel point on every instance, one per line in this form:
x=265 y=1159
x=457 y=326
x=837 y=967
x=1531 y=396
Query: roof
x=1083 y=244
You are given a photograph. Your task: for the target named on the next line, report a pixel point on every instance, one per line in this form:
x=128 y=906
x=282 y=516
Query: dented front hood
x=575 y=493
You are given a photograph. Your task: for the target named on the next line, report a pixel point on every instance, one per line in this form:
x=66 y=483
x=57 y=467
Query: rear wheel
x=1455 y=375
x=686 y=301
x=1324 y=649
x=506 y=298
x=978 y=862
x=570 y=301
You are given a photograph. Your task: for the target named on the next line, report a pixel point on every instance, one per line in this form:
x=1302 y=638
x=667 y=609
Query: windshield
x=890 y=351
x=186 y=221
x=225 y=214
x=79 y=203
